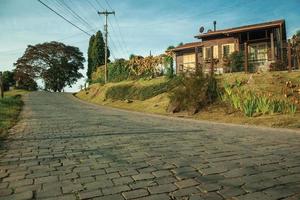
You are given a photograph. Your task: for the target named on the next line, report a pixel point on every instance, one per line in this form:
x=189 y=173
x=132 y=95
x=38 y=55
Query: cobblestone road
x=65 y=149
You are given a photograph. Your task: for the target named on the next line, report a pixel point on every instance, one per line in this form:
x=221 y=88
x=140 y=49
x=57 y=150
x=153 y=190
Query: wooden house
x=261 y=44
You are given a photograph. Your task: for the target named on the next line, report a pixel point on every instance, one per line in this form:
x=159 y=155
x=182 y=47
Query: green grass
x=10 y=107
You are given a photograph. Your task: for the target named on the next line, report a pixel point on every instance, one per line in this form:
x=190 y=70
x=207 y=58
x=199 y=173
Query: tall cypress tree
x=90 y=57
x=96 y=53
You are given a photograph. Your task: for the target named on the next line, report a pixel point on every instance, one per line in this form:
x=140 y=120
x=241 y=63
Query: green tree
x=8 y=80
x=170 y=47
x=96 y=53
x=25 y=81
x=56 y=63
x=90 y=58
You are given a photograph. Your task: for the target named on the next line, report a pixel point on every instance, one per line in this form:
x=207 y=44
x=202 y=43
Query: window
x=207 y=52
x=227 y=49
x=189 y=60
x=258 y=52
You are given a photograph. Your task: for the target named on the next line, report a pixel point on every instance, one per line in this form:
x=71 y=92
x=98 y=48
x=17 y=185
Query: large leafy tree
x=96 y=53
x=56 y=63
x=8 y=80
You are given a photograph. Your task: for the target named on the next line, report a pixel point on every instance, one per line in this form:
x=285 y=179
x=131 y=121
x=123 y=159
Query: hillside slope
x=155 y=99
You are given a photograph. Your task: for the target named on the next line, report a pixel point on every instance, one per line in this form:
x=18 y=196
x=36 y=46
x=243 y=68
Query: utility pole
x=106 y=13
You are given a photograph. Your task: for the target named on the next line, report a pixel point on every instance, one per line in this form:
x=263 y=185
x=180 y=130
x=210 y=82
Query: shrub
x=194 y=92
x=278 y=65
x=138 y=92
x=235 y=61
x=168 y=64
x=118 y=71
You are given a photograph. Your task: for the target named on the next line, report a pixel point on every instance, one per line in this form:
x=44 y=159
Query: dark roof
x=187 y=46
x=270 y=24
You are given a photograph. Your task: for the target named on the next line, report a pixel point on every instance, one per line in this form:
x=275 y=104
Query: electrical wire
x=64 y=18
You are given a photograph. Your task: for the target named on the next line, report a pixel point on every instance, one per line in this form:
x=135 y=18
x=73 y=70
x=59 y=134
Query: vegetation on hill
x=10 y=107
x=277 y=86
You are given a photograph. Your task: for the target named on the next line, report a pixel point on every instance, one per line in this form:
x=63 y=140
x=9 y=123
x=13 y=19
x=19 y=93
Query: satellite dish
x=209 y=30
x=201 y=30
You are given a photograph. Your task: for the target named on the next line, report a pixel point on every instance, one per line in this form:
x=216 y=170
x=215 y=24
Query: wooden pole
x=1 y=86
x=272 y=47
x=246 y=57
x=289 y=48
x=212 y=60
x=196 y=59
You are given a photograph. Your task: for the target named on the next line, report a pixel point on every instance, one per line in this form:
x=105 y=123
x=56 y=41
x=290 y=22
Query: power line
x=64 y=18
x=108 y=5
x=118 y=41
x=72 y=12
x=119 y=31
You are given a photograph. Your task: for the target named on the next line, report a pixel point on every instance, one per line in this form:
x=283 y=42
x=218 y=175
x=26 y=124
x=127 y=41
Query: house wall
x=219 y=62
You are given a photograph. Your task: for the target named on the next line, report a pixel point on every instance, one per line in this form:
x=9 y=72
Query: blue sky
x=140 y=26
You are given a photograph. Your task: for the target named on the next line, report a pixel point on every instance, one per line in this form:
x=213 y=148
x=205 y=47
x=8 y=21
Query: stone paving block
x=110 y=197
x=143 y=176
x=162 y=188
x=162 y=173
x=209 y=196
x=123 y=180
x=63 y=197
x=135 y=193
x=129 y=172
x=142 y=184
x=209 y=187
x=92 y=173
x=255 y=196
x=90 y=194
x=5 y=192
x=70 y=188
x=99 y=184
x=183 y=169
x=46 y=179
x=34 y=187
x=108 y=176
x=230 y=192
x=85 y=180
x=186 y=183
x=115 y=189
x=213 y=170
x=19 y=183
x=19 y=196
x=3 y=185
x=185 y=192
x=165 y=180
x=155 y=197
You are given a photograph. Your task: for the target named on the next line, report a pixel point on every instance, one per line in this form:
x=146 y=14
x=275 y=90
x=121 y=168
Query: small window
x=207 y=52
x=227 y=49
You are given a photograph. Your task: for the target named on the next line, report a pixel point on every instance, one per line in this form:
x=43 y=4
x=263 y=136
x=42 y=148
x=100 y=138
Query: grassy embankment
x=10 y=107
x=152 y=96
